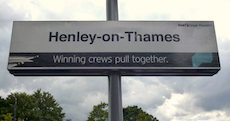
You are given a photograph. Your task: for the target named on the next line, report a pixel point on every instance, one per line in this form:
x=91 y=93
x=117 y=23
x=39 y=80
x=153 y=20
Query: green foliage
x=133 y=113
x=46 y=109
x=7 y=117
x=130 y=113
x=145 y=117
x=19 y=119
x=4 y=107
x=24 y=104
x=40 y=106
x=99 y=113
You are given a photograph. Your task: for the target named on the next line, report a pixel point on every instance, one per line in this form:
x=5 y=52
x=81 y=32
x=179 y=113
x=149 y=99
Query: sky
x=167 y=98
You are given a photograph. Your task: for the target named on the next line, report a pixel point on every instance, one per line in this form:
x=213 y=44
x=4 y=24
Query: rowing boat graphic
x=20 y=60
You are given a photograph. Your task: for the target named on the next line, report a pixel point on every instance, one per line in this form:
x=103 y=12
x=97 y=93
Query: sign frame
x=22 y=54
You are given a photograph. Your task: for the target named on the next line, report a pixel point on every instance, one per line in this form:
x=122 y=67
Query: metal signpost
x=113 y=48
x=115 y=97
x=114 y=85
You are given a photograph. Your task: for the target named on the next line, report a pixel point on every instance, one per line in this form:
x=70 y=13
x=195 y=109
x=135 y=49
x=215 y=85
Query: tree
x=40 y=106
x=142 y=116
x=4 y=108
x=99 y=113
x=130 y=113
x=46 y=109
x=133 y=113
x=7 y=117
x=24 y=104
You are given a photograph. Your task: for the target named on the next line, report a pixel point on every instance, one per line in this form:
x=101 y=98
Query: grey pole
x=111 y=10
x=115 y=98
x=115 y=95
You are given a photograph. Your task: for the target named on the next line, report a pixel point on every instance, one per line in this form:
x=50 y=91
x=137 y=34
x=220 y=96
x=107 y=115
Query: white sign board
x=99 y=47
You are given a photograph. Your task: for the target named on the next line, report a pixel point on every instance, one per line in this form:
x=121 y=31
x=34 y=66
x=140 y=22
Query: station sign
x=100 y=47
